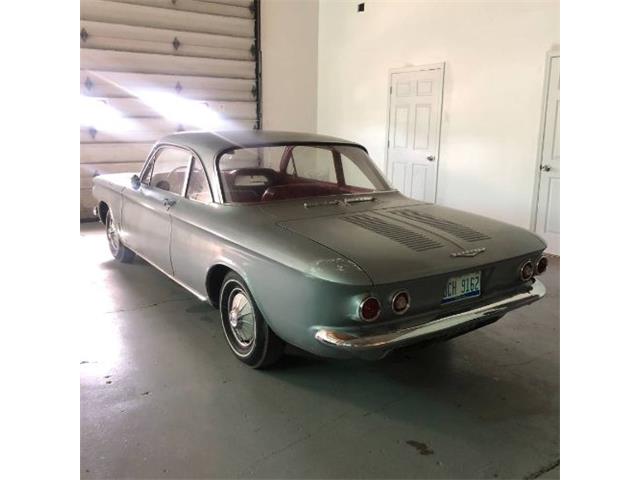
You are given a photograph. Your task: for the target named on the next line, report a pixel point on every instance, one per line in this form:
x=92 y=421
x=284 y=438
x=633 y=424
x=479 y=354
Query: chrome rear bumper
x=354 y=341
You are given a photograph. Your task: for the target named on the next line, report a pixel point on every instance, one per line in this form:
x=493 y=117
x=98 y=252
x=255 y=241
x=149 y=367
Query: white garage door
x=152 y=67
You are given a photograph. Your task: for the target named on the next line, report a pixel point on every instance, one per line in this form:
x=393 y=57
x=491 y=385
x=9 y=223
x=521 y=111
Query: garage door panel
x=140 y=46
x=239 y=3
x=150 y=132
x=134 y=107
x=162 y=35
x=212 y=8
x=114 y=152
x=130 y=107
x=98 y=136
x=151 y=129
x=147 y=16
x=123 y=84
x=142 y=59
x=115 y=61
x=109 y=36
x=88 y=171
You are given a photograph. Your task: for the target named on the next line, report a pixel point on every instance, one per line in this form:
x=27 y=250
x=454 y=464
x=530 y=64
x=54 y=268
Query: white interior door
x=548 y=212
x=414 y=131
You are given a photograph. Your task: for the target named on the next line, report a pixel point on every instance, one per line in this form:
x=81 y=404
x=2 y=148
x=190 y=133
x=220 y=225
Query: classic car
x=299 y=239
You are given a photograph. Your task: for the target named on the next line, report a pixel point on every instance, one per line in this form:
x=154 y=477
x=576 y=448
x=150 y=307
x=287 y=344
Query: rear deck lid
x=415 y=240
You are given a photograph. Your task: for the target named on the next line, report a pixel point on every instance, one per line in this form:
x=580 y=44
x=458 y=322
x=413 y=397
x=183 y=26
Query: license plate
x=464 y=286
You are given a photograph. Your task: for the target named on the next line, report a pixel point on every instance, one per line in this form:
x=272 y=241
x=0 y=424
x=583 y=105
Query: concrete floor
x=163 y=397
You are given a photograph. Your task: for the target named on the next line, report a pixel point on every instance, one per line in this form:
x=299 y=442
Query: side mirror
x=135 y=182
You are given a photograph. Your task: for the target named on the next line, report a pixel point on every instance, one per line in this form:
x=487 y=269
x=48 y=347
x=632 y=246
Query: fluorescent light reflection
x=97 y=113
x=181 y=110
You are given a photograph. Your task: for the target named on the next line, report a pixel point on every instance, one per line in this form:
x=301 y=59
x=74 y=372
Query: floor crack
x=150 y=305
x=518 y=364
x=543 y=470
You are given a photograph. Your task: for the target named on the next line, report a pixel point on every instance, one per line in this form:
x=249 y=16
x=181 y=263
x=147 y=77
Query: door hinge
x=390 y=90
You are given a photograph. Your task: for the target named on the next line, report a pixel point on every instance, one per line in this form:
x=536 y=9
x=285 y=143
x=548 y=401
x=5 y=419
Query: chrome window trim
x=197 y=294
x=335 y=196
x=187 y=177
x=148 y=165
x=216 y=187
x=186 y=189
x=159 y=146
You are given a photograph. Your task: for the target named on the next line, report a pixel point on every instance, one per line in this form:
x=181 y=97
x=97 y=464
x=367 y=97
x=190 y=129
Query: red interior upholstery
x=243 y=196
x=298 y=190
x=268 y=173
x=247 y=193
x=278 y=186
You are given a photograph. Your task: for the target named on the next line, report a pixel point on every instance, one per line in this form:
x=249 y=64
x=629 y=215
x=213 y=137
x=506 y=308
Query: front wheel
x=118 y=250
x=248 y=335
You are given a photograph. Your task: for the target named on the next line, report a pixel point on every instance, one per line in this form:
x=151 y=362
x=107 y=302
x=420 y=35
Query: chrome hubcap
x=112 y=235
x=241 y=317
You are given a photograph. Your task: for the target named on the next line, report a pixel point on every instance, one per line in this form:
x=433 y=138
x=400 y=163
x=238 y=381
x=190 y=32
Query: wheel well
x=103 y=208
x=215 y=276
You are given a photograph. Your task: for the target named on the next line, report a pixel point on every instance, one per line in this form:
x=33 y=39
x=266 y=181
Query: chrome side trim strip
x=350 y=340
x=186 y=287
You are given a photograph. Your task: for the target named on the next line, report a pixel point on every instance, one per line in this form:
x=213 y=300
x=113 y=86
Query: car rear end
x=435 y=272
x=436 y=307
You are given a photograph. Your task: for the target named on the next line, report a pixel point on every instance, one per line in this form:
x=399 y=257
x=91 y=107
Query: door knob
x=545 y=168
x=431 y=158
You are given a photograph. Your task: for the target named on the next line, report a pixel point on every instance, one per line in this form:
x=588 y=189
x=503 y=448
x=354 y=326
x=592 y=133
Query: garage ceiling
x=152 y=67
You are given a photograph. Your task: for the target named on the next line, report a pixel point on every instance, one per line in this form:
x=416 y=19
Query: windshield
x=265 y=174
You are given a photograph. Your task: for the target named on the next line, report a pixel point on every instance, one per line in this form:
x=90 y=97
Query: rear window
x=286 y=172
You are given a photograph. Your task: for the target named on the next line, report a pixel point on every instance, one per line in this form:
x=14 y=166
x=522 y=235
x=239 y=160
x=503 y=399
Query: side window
x=170 y=169
x=313 y=163
x=198 y=188
x=354 y=176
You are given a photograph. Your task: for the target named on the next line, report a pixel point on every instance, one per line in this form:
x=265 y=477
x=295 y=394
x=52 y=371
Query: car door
x=146 y=210
x=193 y=248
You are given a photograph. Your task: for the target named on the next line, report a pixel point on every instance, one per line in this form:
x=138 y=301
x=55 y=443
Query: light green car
x=299 y=239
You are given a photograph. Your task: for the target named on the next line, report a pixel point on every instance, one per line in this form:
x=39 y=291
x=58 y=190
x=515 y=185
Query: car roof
x=214 y=142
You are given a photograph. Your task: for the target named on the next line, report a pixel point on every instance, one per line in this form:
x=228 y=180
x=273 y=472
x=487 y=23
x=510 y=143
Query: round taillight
x=541 y=265
x=400 y=302
x=526 y=271
x=369 y=309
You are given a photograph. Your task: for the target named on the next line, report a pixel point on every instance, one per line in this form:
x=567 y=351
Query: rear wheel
x=248 y=335
x=118 y=250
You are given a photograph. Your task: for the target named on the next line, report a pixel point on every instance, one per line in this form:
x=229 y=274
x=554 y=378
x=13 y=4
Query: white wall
x=495 y=56
x=289 y=37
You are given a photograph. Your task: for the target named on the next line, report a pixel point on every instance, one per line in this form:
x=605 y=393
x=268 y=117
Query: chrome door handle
x=431 y=158
x=168 y=203
x=545 y=168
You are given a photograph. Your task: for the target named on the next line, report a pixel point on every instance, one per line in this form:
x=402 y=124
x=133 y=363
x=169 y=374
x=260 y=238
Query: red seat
x=298 y=190
x=242 y=196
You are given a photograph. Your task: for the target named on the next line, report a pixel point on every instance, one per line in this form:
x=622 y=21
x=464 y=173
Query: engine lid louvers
x=402 y=235
x=460 y=231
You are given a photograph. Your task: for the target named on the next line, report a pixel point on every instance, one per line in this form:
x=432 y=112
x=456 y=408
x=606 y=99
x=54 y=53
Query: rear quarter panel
x=296 y=283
